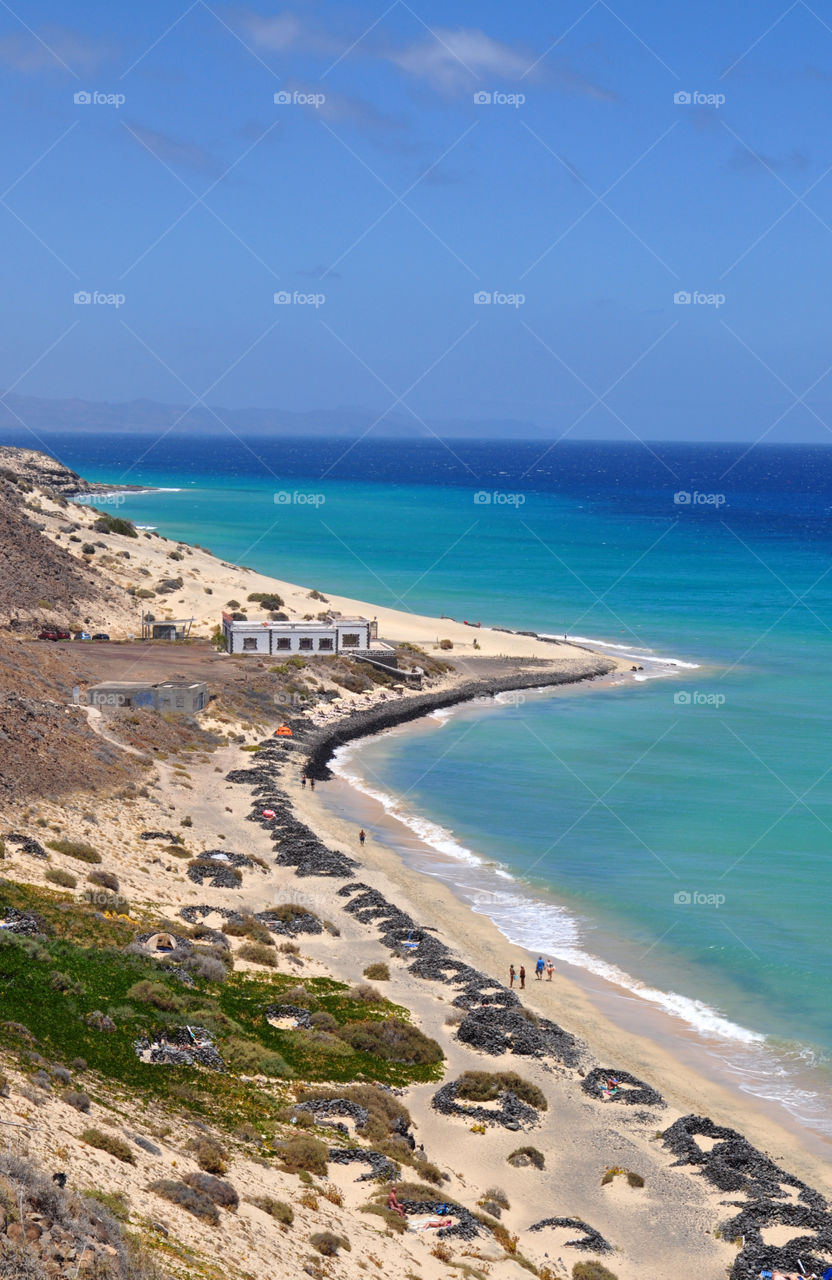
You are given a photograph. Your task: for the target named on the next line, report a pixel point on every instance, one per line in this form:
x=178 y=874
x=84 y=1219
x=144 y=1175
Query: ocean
x=673 y=833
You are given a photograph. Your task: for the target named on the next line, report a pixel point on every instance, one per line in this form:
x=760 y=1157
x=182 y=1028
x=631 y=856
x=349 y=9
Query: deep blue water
x=613 y=802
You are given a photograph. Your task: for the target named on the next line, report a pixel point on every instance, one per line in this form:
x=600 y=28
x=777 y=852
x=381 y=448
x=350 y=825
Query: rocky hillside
x=34 y=468
x=40 y=582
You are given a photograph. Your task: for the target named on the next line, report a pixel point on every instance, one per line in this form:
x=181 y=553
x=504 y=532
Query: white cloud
x=276 y=33
x=52 y=48
x=454 y=60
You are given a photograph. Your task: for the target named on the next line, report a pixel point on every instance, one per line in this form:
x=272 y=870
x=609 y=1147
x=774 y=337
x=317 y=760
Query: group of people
x=304 y=780
x=426 y=1224
x=542 y=966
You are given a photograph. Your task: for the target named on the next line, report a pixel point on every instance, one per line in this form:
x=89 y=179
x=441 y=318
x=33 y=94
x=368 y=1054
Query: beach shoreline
x=414 y=843
x=567 y=1000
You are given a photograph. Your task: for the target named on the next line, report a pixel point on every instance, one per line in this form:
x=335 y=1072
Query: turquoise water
x=613 y=802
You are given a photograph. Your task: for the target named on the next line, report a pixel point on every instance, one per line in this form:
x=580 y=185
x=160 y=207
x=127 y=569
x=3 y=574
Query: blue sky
x=382 y=187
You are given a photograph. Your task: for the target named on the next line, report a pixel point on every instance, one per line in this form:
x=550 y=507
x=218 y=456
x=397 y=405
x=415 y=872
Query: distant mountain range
x=136 y=416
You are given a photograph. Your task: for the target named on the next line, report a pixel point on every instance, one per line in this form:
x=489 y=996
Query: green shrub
x=195 y=1202
x=327 y=1243
x=115 y=524
x=446 y=644
x=268 y=599
x=106 y=879
x=378 y=972
x=115 y=1202
x=79 y=1101
x=75 y=849
x=366 y=993
x=110 y=1143
x=56 y=875
x=394 y=1221
x=524 y=1156
x=258 y=953
x=302 y=1151
x=67 y=985
x=157 y=995
x=249 y=927
x=486 y=1086
x=222 y=1193
x=592 y=1271
x=210 y=1155
x=393 y=1040
x=277 y=1209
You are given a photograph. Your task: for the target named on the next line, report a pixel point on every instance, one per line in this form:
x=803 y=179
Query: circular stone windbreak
x=630 y=1090
x=511 y=1112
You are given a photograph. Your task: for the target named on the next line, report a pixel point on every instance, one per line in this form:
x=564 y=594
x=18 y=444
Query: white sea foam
x=759 y=1067
x=430 y=833
x=627 y=651
x=534 y=924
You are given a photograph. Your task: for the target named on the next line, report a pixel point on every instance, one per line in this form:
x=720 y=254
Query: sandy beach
x=639 y=1158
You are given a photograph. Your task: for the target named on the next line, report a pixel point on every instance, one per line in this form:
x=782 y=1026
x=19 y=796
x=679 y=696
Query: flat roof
x=295 y=623
x=148 y=684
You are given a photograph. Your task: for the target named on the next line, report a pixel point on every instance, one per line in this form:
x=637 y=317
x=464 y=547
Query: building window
x=249 y=643
x=325 y=644
x=305 y=642
x=180 y=701
x=283 y=642
x=351 y=640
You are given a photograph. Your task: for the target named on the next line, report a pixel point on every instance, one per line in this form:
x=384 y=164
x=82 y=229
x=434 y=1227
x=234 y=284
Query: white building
x=356 y=636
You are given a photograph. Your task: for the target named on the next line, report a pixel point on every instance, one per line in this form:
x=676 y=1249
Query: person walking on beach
x=538 y=969
x=522 y=977
x=511 y=975
x=303 y=781
x=362 y=836
x=312 y=783
x=550 y=969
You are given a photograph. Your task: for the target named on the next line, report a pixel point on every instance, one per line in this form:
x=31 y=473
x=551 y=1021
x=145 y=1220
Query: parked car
x=101 y=635
x=82 y=635
x=53 y=633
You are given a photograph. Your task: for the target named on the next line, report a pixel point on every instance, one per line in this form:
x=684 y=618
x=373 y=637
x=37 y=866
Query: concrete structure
x=186 y=697
x=353 y=637
x=165 y=628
